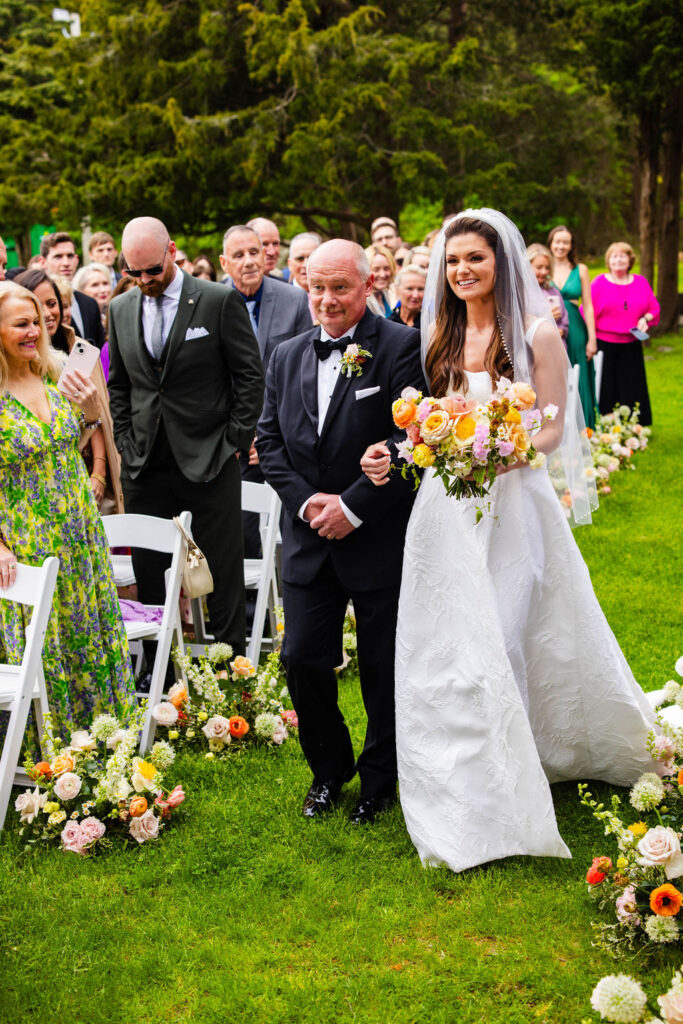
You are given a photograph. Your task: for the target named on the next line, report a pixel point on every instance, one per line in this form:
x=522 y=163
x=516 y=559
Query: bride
x=508 y=676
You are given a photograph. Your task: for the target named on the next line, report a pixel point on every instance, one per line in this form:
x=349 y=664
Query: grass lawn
x=246 y=912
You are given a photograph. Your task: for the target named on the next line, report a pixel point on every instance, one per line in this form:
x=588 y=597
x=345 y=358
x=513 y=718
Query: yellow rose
x=622 y=863
x=423 y=456
x=513 y=416
x=56 y=818
x=436 y=426
x=173 y=734
x=202 y=716
x=519 y=437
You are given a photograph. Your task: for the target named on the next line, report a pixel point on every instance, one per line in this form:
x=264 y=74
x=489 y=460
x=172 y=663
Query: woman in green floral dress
x=47 y=508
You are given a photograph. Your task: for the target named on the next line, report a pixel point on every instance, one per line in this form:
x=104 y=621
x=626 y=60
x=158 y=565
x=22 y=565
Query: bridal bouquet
x=95 y=788
x=622 y=999
x=227 y=704
x=643 y=885
x=467 y=442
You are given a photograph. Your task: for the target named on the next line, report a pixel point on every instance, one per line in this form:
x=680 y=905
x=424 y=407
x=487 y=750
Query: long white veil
x=519 y=302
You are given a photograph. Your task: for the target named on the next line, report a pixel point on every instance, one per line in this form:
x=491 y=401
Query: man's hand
x=253 y=455
x=329 y=521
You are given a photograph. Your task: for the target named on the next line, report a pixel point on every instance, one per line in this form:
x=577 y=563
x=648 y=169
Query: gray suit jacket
x=284 y=313
x=207 y=388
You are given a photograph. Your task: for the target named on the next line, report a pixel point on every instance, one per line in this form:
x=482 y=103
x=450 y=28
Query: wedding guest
x=623 y=301
x=383 y=270
x=383 y=231
x=98 y=449
x=300 y=248
x=102 y=249
x=124 y=285
x=58 y=256
x=420 y=256
x=402 y=256
x=183 y=261
x=573 y=281
x=3 y=259
x=66 y=292
x=95 y=280
x=410 y=289
x=85 y=658
x=204 y=269
x=268 y=232
x=541 y=259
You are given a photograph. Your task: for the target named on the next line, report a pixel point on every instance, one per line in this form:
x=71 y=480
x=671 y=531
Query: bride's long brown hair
x=444 y=359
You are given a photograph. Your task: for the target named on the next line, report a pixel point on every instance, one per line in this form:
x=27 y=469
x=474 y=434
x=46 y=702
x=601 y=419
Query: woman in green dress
x=47 y=508
x=573 y=281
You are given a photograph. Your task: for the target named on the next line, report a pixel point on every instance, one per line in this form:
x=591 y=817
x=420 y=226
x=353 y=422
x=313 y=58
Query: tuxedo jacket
x=282 y=315
x=93 y=330
x=207 y=387
x=298 y=463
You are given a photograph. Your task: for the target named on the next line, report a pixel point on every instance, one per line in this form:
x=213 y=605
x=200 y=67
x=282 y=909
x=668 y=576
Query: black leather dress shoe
x=321 y=798
x=368 y=807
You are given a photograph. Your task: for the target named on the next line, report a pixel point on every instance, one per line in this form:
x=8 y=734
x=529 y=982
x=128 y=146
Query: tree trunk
x=670 y=217
x=648 y=155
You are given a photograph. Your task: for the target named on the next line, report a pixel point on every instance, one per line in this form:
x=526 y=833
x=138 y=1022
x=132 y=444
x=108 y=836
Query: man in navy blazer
x=342 y=536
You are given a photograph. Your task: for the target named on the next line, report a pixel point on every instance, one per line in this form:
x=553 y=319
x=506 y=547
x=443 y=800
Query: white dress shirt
x=171 y=298
x=328 y=371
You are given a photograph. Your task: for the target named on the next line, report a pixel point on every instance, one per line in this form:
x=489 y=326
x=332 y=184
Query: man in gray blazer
x=186 y=388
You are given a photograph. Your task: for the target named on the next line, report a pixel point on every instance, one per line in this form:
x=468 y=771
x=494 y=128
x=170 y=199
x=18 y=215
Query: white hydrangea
x=662 y=929
x=619 y=998
x=671 y=691
x=104 y=727
x=647 y=793
x=162 y=755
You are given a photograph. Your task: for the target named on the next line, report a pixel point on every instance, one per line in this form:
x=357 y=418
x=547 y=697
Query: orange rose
x=239 y=726
x=178 y=695
x=63 y=763
x=666 y=900
x=242 y=666
x=42 y=768
x=403 y=412
x=138 y=806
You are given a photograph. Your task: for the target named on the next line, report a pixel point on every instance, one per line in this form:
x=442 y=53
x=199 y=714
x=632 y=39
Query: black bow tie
x=324 y=348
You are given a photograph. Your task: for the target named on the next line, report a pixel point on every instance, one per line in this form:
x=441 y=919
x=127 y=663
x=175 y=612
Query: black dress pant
x=314 y=618
x=162 y=490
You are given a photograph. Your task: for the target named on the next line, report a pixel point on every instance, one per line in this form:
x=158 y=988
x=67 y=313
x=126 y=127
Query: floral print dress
x=47 y=508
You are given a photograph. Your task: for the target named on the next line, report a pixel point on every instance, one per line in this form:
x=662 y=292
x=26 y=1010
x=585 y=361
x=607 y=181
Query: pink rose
x=413 y=432
x=73 y=839
x=217 y=728
x=661 y=847
x=671 y=1006
x=92 y=829
x=664 y=750
x=145 y=827
x=290 y=718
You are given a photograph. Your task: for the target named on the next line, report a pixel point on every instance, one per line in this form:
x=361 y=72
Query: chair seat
x=9 y=680
x=141 y=630
x=123 y=570
x=253 y=567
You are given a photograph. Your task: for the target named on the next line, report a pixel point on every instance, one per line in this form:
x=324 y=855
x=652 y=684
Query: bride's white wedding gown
x=508 y=676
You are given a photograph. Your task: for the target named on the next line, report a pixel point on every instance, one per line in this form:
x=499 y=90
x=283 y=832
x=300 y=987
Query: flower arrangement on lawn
x=621 y=999
x=617 y=435
x=96 y=789
x=643 y=885
x=225 y=704
x=467 y=442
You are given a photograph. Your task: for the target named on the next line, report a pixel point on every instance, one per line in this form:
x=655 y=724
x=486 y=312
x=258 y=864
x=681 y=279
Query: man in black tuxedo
x=186 y=390
x=342 y=536
x=58 y=256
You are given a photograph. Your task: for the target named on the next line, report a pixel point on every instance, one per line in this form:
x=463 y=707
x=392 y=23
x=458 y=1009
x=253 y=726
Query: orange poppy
x=238 y=726
x=666 y=900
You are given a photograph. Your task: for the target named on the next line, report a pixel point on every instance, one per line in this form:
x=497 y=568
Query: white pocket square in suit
x=195 y=332
x=366 y=392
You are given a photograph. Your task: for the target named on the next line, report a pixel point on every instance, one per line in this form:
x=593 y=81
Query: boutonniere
x=353 y=360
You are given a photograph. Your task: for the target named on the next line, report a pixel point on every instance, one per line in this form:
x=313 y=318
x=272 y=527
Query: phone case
x=83 y=357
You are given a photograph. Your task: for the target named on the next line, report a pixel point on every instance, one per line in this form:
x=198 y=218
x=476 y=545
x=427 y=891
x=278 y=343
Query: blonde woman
x=541 y=260
x=47 y=508
x=383 y=269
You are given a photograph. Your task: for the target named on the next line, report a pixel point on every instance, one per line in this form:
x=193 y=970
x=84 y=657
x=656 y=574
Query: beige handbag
x=197 y=578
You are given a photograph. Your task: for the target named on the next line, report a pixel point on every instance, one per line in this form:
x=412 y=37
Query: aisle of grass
x=246 y=912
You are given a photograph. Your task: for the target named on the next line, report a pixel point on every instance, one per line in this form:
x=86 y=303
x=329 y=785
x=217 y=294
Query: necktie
x=323 y=349
x=251 y=306
x=158 y=328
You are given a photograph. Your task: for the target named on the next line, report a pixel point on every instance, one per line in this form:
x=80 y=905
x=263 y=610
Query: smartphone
x=639 y=335
x=83 y=357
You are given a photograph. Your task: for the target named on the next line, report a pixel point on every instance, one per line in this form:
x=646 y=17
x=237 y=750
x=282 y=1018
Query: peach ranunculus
x=519 y=437
x=666 y=900
x=63 y=763
x=42 y=769
x=242 y=666
x=436 y=427
x=239 y=726
x=456 y=405
x=138 y=806
x=404 y=413
x=523 y=395
x=178 y=695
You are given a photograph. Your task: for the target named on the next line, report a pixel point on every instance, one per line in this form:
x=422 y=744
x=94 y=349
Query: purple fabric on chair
x=104 y=359
x=133 y=611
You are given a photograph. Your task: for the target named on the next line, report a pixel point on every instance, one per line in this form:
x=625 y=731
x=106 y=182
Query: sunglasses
x=150 y=271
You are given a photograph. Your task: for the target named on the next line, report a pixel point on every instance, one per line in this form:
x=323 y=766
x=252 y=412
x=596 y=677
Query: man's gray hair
x=240 y=227
x=306 y=236
x=412 y=268
x=363 y=264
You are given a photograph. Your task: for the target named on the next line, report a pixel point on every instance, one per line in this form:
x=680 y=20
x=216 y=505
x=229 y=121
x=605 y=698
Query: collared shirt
x=171 y=299
x=253 y=304
x=328 y=371
x=77 y=317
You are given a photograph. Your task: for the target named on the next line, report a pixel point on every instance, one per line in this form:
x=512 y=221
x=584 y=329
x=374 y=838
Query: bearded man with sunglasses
x=186 y=390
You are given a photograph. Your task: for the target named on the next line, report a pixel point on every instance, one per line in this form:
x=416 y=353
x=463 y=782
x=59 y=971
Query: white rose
x=538 y=460
x=82 y=740
x=115 y=739
x=30 y=804
x=68 y=786
x=145 y=827
x=633 y=443
x=217 y=728
x=351 y=351
x=661 y=847
x=165 y=713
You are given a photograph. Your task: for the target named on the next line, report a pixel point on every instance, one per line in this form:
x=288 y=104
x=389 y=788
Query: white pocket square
x=366 y=392
x=195 y=332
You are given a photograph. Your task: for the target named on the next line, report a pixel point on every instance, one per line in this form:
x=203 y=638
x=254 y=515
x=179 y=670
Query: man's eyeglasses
x=150 y=271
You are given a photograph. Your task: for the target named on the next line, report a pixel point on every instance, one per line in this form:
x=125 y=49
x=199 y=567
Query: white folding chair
x=598 y=360
x=22 y=684
x=154 y=534
x=259 y=573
